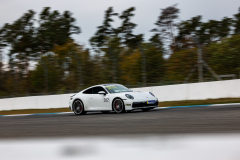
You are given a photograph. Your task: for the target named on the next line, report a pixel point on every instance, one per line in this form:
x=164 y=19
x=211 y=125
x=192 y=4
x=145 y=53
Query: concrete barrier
x=191 y=91
x=35 y=102
x=195 y=91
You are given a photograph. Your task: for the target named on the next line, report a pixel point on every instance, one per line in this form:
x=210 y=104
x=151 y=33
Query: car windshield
x=117 y=88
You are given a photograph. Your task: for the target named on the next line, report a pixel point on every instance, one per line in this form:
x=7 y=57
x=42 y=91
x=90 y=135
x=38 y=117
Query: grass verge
x=161 y=104
x=199 y=102
x=33 y=111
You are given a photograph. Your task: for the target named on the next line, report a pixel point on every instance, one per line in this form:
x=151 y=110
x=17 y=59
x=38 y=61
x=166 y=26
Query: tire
x=78 y=107
x=118 y=105
x=145 y=109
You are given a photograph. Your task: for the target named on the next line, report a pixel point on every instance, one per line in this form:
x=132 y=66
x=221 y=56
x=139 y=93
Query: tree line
x=117 y=55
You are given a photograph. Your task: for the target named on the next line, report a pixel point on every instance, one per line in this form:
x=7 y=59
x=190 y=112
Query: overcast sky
x=89 y=13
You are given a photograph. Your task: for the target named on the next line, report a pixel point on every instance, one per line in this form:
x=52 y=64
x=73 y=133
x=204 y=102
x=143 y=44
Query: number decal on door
x=106 y=99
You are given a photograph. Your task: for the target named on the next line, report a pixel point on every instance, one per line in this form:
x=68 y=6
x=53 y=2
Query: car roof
x=108 y=84
x=99 y=85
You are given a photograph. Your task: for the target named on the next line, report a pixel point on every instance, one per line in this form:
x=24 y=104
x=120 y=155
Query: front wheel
x=78 y=107
x=118 y=106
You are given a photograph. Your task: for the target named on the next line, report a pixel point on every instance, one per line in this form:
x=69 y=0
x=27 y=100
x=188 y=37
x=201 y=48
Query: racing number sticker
x=105 y=99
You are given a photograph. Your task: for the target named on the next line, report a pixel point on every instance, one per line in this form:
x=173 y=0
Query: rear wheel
x=118 y=106
x=78 y=107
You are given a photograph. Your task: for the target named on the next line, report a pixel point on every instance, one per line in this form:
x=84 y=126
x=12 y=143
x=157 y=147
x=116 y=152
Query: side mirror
x=102 y=92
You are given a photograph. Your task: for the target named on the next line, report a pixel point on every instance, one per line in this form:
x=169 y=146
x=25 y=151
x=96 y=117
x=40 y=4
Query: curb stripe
x=45 y=113
x=189 y=106
x=13 y=115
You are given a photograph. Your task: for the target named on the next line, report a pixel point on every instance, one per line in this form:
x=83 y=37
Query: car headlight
x=152 y=94
x=71 y=97
x=129 y=96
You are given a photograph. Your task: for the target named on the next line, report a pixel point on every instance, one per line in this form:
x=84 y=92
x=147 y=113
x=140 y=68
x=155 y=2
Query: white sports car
x=111 y=97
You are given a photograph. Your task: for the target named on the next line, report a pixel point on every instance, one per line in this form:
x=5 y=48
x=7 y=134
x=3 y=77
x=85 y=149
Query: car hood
x=142 y=96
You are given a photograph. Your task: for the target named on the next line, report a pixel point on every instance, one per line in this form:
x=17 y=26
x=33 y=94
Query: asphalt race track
x=212 y=119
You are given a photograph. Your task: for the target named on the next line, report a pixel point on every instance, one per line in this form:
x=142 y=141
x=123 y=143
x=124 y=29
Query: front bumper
x=144 y=104
x=131 y=105
x=70 y=104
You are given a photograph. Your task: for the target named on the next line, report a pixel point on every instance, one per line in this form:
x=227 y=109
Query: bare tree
x=167 y=23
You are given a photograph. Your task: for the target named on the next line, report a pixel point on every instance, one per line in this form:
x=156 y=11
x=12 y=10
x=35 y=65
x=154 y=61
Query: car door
x=86 y=99
x=99 y=101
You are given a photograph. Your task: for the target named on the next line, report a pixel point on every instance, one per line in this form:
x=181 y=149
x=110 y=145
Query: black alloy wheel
x=78 y=107
x=118 y=106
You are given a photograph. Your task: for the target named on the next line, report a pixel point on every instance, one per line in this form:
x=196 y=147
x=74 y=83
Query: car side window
x=88 y=91
x=97 y=89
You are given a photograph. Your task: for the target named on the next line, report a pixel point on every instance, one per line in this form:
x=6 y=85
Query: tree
x=180 y=63
x=114 y=41
x=207 y=32
x=166 y=23
x=54 y=75
x=29 y=41
x=104 y=32
x=155 y=70
x=131 y=68
x=105 y=40
x=156 y=41
x=125 y=31
x=73 y=62
x=187 y=29
x=237 y=22
x=54 y=29
x=19 y=36
x=123 y=35
x=127 y=39
x=225 y=56
x=224 y=27
x=2 y=45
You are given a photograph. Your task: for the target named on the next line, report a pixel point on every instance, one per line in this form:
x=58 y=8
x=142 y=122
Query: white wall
x=192 y=91
x=196 y=91
x=35 y=102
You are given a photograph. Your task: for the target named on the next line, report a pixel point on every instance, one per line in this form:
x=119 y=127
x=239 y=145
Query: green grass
x=161 y=104
x=199 y=102
x=33 y=111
